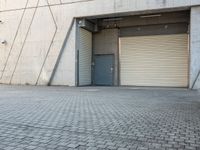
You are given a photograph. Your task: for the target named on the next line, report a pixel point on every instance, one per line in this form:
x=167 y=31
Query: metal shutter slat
x=85 y=57
x=158 y=60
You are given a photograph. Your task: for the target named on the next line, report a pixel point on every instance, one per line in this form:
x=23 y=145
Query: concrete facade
x=195 y=48
x=40 y=47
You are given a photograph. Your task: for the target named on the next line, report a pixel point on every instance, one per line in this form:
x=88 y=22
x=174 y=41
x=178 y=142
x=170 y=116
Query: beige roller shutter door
x=85 y=57
x=158 y=60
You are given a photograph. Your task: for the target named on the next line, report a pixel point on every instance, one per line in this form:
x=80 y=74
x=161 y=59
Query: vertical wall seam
x=56 y=28
x=24 y=42
x=14 y=40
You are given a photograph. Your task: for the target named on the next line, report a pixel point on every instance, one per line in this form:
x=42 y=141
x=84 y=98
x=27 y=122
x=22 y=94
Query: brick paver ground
x=39 y=118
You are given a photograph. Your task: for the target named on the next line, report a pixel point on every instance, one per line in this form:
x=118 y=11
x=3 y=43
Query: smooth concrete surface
x=35 y=32
x=195 y=48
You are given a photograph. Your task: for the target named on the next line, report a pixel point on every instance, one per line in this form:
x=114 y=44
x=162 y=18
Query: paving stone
x=112 y=147
x=122 y=148
x=31 y=147
x=92 y=148
x=73 y=145
x=98 y=118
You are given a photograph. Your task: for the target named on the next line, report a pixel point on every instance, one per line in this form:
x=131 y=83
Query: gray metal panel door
x=103 y=74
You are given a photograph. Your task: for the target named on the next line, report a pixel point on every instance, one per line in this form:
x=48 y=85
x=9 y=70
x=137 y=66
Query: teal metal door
x=104 y=69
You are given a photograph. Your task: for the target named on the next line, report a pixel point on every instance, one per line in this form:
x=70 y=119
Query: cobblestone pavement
x=98 y=118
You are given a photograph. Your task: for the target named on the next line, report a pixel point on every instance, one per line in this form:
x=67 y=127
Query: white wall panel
x=43 y=3
x=10 y=4
x=8 y=31
x=53 y=2
x=65 y=73
x=65 y=33
x=35 y=48
x=32 y=3
x=17 y=45
x=195 y=48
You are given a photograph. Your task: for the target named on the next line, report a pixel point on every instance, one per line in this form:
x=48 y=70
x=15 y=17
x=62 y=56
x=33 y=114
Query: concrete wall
x=35 y=31
x=195 y=48
x=35 y=37
x=65 y=71
x=106 y=42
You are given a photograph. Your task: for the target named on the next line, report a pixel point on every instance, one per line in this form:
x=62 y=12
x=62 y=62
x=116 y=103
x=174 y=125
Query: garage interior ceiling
x=141 y=20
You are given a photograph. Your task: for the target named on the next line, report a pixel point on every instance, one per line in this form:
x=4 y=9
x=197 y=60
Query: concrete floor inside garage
x=99 y=118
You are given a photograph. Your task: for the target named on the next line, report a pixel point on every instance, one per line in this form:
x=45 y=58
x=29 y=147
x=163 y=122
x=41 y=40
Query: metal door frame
x=93 y=67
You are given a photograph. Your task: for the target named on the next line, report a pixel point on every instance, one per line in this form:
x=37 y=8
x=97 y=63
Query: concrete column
x=195 y=48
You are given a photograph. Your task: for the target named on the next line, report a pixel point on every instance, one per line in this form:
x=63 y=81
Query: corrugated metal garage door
x=158 y=60
x=85 y=57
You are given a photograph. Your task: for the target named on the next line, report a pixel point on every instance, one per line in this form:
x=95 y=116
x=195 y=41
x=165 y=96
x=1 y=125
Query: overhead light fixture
x=112 y=19
x=151 y=16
